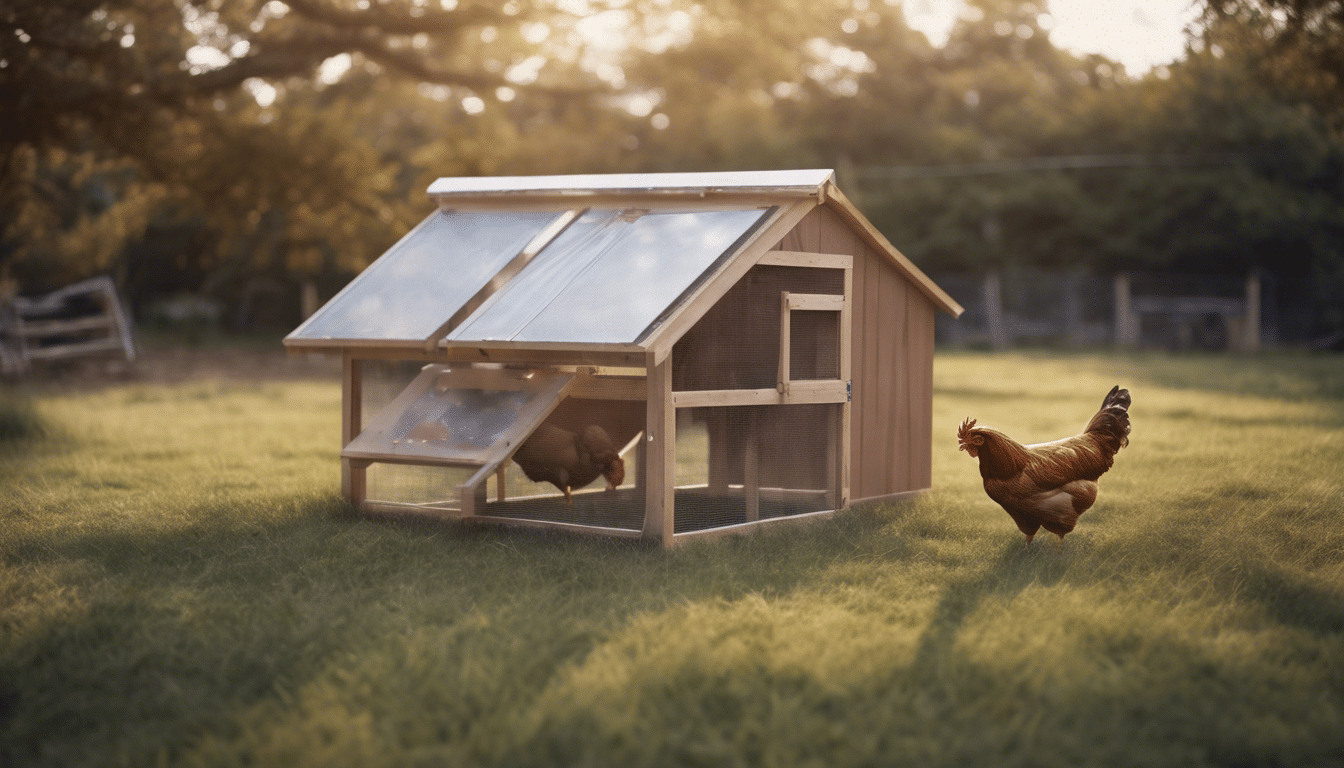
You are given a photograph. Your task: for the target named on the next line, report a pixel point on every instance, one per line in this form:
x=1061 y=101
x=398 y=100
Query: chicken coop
x=752 y=349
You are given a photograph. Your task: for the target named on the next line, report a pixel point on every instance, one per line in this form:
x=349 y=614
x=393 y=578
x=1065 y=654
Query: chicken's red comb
x=965 y=428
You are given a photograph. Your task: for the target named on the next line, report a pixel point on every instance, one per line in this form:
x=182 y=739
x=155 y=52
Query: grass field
x=181 y=585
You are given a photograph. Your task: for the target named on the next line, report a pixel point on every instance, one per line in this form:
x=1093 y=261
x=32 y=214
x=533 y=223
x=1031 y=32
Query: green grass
x=182 y=586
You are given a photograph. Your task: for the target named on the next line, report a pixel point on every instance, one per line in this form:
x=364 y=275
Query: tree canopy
x=206 y=145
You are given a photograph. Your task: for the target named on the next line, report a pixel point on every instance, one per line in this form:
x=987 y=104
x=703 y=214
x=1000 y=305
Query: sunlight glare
x=334 y=68
x=263 y=92
x=1140 y=34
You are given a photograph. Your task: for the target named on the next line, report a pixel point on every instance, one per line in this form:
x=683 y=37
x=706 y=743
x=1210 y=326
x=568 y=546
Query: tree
x=261 y=121
x=1298 y=45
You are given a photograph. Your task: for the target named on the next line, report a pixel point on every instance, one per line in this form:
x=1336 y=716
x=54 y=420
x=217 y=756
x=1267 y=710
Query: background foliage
x=237 y=149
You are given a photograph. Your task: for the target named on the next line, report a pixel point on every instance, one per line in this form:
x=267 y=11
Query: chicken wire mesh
x=414 y=485
x=736 y=344
x=740 y=464
x=380 y=383
x=622 y=421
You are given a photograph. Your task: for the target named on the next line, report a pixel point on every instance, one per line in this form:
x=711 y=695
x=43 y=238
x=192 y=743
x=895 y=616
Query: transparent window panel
x=448 y=416
x=412 y=290
x=609 y=277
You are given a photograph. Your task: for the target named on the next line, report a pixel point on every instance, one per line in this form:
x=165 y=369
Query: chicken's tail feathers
x=1111 y=424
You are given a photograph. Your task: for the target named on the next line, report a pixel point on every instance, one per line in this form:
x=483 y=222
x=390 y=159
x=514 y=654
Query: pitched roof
x=588 y=260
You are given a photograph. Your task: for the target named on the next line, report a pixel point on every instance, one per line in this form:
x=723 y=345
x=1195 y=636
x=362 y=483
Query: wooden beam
x=73 y=350
x=1126 y=321
x=752 y=527
x=352 y=395
x=620 y=356
x=38 y=328
x=811 y=260
x=846 y=374
x=660 y=463
x=800 y=392
x=751 y=470
x=610 y=388
x=815 y=302
x=785 y=344
x=523 y=522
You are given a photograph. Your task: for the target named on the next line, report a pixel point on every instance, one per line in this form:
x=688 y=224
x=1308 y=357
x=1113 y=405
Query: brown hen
x=569 y=461
x=1050 y=484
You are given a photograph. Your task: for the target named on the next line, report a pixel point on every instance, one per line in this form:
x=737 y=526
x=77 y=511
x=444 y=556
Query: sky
x=1141 y=34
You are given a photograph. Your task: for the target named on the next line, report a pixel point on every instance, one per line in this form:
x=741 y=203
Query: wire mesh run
x=743 y=464
x=622 y=424
x=414 y=486
x=380 y=383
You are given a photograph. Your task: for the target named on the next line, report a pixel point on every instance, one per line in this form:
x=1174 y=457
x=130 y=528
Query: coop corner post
x=660 y=452
x=353 y=471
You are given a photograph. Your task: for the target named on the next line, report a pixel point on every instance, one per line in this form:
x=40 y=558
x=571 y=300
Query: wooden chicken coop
x=752 y=347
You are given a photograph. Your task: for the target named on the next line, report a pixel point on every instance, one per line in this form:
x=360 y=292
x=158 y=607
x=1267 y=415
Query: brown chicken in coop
x=1050 y=484
x=570 y=461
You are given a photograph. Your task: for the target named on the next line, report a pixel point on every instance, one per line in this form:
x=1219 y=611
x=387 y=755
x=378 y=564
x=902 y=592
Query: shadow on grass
x=1015 y=569
x=126 y=639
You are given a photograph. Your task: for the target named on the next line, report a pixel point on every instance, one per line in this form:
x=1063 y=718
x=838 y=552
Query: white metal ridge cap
x=794 y=182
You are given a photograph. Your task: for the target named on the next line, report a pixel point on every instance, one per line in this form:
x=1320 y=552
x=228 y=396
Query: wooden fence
x=1032 y=307
x=79 y=320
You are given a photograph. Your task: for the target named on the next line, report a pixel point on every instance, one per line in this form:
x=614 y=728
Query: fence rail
x=1125 y=309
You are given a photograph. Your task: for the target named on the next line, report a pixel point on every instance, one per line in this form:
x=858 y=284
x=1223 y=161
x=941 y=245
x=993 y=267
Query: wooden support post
x=785 y=344
x=473 y=498
x=992 y=292
x=499 y=483
x=352 y=472
x=716 y=431
x=1251 y=343
x=1073 y=310
x=308 y=304
x=751 y=479
x=1126 y=325
x=832 y=433
x=660 y=463
x=846 y=374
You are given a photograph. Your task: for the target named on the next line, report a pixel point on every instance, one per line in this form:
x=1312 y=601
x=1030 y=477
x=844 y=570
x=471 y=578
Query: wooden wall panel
x=871 y=452
x=895 y=391
x=921 y=385
x=892 y=347
x=838 y=237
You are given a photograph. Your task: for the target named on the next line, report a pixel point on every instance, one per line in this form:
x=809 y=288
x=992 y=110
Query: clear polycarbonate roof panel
x=412 y=290
x=609 y=277
x=459 y=416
